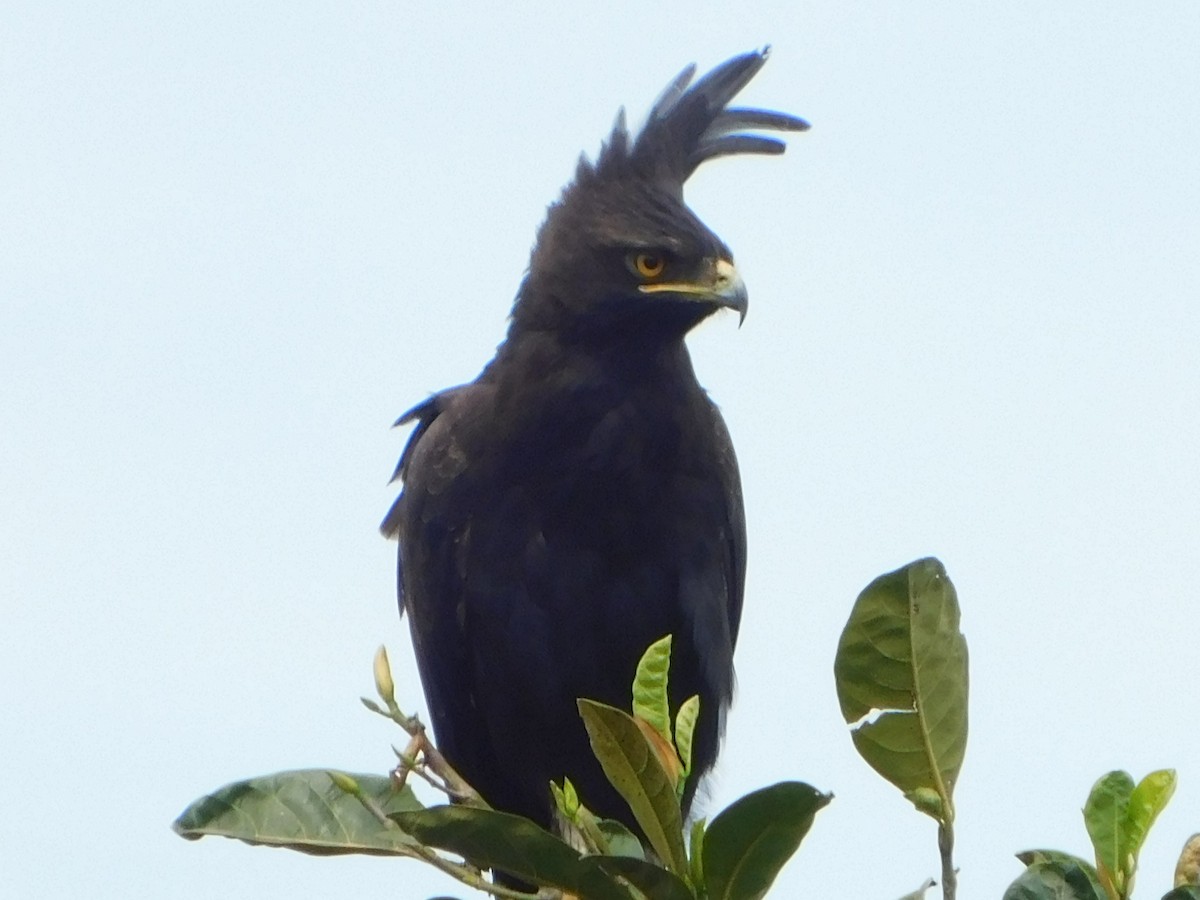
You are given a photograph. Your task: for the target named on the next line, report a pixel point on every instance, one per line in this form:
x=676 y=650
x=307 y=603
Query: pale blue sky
x=237 y=240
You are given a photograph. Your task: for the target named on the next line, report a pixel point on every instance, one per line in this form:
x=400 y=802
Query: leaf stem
x=946 y=848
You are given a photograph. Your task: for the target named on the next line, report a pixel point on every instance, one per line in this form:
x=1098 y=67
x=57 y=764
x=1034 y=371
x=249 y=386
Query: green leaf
x=901 y=672
x=696 y=851
x=633 y=767
x=650 y=687
x=1148 y=799
x=566 y=799
x=513 y=844
x=1063 y=862
x=1118 y=816
x=685 y=730
x=748 y=843
x=1105 y=815
x=1054 y=879
x=302 y=810
x=1184 y=892
x=1032 y=857
x=619 y=840
x=654 y=881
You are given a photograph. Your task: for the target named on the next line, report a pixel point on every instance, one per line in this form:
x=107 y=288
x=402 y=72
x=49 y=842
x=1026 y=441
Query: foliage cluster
x=902 y=681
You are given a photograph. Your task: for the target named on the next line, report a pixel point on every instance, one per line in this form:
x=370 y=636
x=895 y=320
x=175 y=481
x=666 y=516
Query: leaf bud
x=345 y=782
x=384 y=685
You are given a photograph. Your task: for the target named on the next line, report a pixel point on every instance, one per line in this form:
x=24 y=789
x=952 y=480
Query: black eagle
x=580 y=499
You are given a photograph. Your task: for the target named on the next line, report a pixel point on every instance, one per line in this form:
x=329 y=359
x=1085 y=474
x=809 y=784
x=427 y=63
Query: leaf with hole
x=901 y=672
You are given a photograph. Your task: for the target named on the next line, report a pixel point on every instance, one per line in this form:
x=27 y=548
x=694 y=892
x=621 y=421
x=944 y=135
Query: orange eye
x=648 y=265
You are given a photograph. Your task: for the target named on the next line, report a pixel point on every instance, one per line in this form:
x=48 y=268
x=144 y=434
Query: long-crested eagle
x=580 y=499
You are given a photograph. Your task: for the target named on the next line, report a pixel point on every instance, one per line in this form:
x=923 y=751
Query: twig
x=946 y=848
x=408 y=756
x=422 y=757
x=421 y=754
x=427 y=756
x=420 y=747
x=409 y=762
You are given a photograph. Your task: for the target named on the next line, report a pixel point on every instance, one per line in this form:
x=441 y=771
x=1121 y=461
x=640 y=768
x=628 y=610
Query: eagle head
x=620 y=254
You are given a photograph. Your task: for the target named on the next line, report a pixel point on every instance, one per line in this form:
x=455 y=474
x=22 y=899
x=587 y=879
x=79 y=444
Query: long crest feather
x=690 y=124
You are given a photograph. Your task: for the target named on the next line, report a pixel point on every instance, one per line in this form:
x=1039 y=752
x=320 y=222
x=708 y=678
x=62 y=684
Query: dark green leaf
x=498 y=840
x=633 y=767
x=653 y=881
x=749 y=842
x=650 y=687
x=1054 y=880
x=1058 y=857
x=901 y=672
x=1184 y=892
x=302 y=810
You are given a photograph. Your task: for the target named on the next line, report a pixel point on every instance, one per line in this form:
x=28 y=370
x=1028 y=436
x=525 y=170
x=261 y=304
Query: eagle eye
x=648 y=265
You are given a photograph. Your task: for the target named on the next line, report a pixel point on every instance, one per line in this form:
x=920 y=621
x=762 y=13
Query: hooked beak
x=720 y=284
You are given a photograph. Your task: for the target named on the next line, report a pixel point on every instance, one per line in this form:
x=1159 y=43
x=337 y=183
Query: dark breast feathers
x=581 y=499
x=545 y=544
